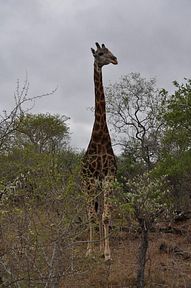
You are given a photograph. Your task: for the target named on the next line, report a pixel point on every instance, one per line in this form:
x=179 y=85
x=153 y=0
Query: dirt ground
x=168 y=261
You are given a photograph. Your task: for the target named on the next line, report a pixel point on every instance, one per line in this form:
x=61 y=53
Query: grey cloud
x=52 y=40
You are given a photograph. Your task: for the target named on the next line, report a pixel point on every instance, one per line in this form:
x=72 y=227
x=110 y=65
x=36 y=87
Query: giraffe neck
x=100 y=111
x=100 y=141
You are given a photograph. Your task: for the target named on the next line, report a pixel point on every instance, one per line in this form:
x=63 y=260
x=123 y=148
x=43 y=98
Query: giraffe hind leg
x=101 y=227
x=107 y=189
x=106 y=221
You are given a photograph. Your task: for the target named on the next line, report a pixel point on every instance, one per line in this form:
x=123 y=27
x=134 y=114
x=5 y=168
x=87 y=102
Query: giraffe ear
x=93 y=52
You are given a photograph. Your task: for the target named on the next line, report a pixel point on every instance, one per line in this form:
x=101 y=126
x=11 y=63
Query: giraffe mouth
x=114 y=61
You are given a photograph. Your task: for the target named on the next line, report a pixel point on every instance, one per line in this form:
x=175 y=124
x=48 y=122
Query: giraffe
x=99 y=163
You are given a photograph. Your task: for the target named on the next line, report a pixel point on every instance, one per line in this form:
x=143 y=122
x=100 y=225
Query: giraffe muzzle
x=114 y=61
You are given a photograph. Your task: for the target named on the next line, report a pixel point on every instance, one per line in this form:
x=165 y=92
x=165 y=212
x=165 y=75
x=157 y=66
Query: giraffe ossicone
x=99 y=163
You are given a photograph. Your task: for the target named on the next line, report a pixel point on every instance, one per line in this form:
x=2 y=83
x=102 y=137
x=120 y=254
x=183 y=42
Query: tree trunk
x=142 y=258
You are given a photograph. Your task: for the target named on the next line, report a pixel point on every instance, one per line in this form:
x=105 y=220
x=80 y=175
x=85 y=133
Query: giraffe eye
x=100 y=53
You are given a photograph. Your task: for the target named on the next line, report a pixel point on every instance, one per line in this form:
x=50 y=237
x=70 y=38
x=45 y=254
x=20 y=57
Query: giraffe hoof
x=108 y=259
x=88 y=253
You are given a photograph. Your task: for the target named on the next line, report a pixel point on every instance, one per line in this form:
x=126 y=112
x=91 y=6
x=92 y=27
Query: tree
x=176 y=144
x=38 y=144
x=178 y=118
x=133 y=106
x=44 y=132
x=146 y=199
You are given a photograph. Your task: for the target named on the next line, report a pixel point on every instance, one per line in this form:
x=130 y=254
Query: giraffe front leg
x=90 y=247
x=101 y=228
x=101 y=235
x=91 y=219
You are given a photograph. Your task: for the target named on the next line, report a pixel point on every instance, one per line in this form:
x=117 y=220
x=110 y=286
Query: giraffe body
x=99 y=163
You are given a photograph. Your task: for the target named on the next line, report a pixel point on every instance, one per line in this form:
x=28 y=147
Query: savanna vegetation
x=43 y=224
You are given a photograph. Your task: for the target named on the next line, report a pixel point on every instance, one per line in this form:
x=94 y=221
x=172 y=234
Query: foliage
x=38 y=142
x=128 y=164
x=147 y=197
x=38 y=234
x=175 y=159
x=177 y=116
x=44 y=131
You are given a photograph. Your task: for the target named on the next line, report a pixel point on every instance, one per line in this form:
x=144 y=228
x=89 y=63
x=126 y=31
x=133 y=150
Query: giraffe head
x=103 y=56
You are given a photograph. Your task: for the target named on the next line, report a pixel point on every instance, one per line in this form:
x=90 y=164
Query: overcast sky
x=51 y=40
